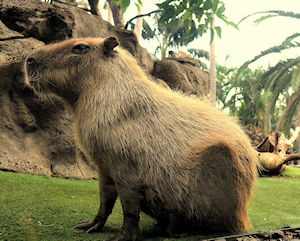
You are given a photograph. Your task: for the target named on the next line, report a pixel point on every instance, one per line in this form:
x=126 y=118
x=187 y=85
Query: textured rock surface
x=183 y=74
x=36 y=136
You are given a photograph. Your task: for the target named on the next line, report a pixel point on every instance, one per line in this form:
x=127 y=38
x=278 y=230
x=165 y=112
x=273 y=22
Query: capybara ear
x=109 y=45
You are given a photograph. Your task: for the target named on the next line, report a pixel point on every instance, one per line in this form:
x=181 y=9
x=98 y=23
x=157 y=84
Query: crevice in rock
x=13 y=38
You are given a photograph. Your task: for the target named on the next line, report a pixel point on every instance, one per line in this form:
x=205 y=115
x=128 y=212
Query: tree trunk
x=109 y=15
x=73 y=2
x=298 y=124
x=212 y=67
x=94 y=4
x=164 y=45
x=139 y=24
x=117 y=14
x=295 y=98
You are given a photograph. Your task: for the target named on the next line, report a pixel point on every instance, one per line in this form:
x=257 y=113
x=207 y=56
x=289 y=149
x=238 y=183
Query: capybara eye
x=31 y=61
x=80 y=48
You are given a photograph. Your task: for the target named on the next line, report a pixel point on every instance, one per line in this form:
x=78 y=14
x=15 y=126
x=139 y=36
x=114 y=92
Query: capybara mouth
x=36 y=81
x=33 y=73
x=33 y=80
x=34 y=84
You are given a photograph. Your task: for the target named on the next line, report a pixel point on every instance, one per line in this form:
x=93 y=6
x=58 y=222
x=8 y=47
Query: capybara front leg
x=131 y=205
x=108 y=195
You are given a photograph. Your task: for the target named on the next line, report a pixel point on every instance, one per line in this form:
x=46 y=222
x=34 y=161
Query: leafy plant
x=200 y=54
x=166 y=36
x=196 y=15
x=125 y=4
x=243 y=95
x=282 y=80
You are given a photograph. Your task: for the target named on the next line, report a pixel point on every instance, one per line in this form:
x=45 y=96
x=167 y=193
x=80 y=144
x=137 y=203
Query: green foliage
x=259 y=97
x=286 y=44
x=43 y=208
x=183 y=21
x=278 y=82
x=242 y=95
x=219 y=31
x=270 y=14
x=125 y=4
x=281 y=79
x=290 y=113
x=197 y=15
x=174 y=35
x=200 y=54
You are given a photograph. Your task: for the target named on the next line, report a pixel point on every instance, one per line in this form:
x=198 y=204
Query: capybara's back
x=175 y=157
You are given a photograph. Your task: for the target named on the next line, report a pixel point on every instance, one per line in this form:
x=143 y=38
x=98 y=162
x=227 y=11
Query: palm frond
x=272 y=13
x=278 y=80
x=286 y=118
x=279 y=87
x=295 y=81
x=203 y=65
x=286 y=44
x=276 y=72
x=263 y=18
x=199 y=53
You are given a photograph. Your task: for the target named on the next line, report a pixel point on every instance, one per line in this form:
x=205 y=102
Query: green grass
x=292 y=171
x=43 y=208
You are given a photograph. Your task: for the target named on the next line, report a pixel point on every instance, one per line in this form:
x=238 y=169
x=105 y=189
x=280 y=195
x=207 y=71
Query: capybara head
x=62 y=68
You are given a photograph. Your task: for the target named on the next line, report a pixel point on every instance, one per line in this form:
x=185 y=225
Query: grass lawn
x=43 y=208
x=292 y=171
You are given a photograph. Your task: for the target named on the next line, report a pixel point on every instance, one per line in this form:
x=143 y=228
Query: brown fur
x=174 y=157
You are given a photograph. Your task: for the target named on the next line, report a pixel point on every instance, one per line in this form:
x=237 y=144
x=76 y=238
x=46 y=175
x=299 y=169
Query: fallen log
x=273 y=163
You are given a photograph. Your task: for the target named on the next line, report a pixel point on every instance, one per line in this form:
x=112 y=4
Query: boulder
x=56 y=22
x=183 y=74
x=36 y=135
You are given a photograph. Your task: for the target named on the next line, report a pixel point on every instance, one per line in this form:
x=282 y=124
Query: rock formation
x=36 y=135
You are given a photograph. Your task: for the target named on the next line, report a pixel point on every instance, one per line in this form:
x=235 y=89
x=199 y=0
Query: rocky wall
x=36 y=135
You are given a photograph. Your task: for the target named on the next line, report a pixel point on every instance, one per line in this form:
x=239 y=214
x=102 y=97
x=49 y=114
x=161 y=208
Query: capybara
x=176 y=158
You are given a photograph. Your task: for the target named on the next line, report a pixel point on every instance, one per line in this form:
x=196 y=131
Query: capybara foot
x=123 y=237
x=174 y=233
x=90 y=226
x=159 y=230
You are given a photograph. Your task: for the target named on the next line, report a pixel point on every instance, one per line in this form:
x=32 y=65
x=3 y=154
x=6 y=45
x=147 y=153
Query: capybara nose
x=31 y=61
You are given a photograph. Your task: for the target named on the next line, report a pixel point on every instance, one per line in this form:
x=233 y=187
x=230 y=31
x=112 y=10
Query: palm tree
x=282 y=80
x=139 y=23
x=242 y=95
x=212 y=65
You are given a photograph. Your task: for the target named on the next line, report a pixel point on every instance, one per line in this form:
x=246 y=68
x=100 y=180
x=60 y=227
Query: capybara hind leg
x=108 y=195
x=131 y=205
x=160 y=228
x=172 y=228
x=177 y=228
x=228 y=185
